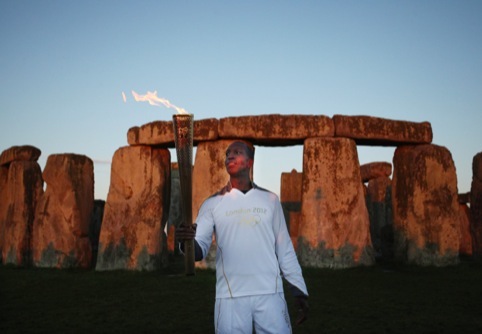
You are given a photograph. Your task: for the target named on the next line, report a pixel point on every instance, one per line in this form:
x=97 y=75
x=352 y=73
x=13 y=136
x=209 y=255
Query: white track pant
x=267 y=313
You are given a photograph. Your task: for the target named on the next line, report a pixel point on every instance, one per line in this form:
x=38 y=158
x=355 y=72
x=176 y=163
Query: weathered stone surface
x=209 y=176
x=477 y=166
x=294 y=227
x=276 y=130
x=132 y=234
x=425 y=206
x=379 y=189
x=158 y=132
x=379 y=204
x=283 y=130
x=290 y=198
x=19 y=153
x=466 y=241
x=3 y=205
x=375 y=170
x=335 y=228
x=476 y=203
x=205 y=130
x=20 y=193
x=367 y=130
x=161 y=133
x=63 y=214
x=291 y=188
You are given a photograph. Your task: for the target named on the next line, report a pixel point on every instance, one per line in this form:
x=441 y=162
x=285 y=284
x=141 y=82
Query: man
x=254 y=251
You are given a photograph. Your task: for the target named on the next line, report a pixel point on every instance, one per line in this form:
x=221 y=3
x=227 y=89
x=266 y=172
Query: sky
x=64 y=66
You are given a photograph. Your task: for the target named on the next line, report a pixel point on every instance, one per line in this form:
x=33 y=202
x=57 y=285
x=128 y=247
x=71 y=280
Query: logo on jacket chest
x=246 y=216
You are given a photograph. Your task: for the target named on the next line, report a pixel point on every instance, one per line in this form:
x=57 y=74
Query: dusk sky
x=65 y=64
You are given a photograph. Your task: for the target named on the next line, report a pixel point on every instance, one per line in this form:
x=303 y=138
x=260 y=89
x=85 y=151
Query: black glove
x=185 y=232
x=303 y=309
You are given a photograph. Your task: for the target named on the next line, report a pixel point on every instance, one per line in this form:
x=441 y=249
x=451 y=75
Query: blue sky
x=65 y=64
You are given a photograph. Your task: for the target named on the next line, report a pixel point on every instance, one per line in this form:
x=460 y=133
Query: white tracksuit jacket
x=254 y=248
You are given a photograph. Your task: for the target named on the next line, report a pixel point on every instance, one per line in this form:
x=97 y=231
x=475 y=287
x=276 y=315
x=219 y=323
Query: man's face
x=237 y=161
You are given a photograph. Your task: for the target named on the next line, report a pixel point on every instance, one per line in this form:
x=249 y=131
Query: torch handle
x=185 y=173
x=183 y=135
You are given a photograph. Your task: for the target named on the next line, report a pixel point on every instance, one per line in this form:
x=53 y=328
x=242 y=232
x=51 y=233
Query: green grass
x=379 y=299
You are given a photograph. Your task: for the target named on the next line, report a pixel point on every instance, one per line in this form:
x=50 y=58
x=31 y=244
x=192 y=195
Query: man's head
x=239 y=158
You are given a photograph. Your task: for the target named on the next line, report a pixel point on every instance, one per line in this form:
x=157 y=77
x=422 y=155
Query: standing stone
x=466 y=242
x=476 y=203
x=425 y=206
x=11 y=198
x=64 y=212
x=132 y=234
x=294 y=227
x=209 y=176
x=464 y=198
x=21 y=192
x=290 y=198
x=19 y=153
x=94 y=229
x=379 y=204
x=3 y=205
x=335 y=228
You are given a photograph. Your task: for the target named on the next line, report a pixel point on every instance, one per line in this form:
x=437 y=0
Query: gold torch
x=183 y=137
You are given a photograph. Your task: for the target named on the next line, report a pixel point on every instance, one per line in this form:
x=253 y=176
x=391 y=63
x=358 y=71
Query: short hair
x=249 y=147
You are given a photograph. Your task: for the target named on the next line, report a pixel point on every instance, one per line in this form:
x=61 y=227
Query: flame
x=154 y=100
x=124 y=97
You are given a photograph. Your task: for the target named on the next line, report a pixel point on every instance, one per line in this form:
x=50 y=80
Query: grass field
x=379 y=299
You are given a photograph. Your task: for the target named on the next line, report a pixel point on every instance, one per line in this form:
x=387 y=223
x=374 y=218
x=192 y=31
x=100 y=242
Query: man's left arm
x=289 y=264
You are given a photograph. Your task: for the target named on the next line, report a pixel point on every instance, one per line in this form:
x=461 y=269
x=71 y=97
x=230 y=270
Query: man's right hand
x=185 y=232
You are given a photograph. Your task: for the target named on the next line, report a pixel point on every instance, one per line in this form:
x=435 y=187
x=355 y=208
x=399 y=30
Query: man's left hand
x=303 y=309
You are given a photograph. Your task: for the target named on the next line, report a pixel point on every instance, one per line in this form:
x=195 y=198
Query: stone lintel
x=161 y=133
x=374 y=170
x=19 y=153
x=368 y=130
x=286 y=130
x=275 y=129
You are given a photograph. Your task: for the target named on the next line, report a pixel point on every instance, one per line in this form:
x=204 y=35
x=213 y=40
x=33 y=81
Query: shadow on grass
x=378 y=299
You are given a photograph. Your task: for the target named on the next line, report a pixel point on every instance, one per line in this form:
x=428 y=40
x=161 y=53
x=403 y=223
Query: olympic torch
x=183 y=138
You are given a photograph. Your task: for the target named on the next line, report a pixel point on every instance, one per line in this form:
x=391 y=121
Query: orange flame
x=154 y=100
x=124 y=97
